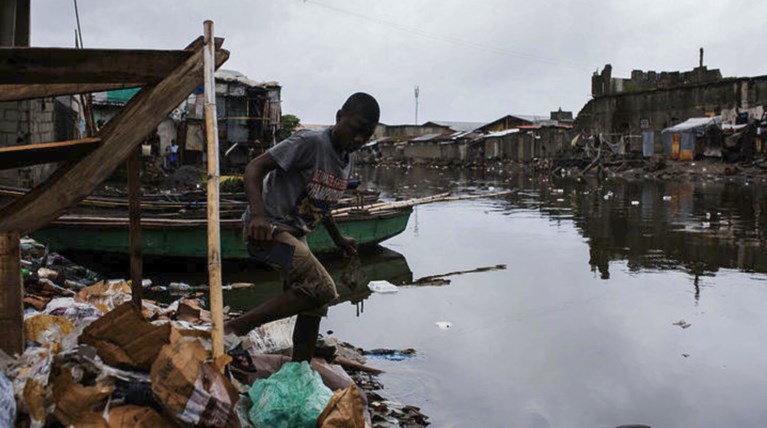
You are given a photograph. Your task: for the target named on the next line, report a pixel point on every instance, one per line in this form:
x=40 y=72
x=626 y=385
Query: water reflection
x=351 y=275
x=699 y=227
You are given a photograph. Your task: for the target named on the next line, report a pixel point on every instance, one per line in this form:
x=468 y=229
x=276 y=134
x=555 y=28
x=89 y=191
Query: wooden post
x=134 y=213
x=214 y=230
x=11 y=294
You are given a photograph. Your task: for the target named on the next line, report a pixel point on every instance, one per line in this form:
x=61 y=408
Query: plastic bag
x=7 y=403
x=293 y=397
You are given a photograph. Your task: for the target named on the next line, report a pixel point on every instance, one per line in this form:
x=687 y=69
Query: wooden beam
x=69 y=65
x=134 y=213
x=35 y=154
x=72 y=183
x=28 y=92
x=11 y=294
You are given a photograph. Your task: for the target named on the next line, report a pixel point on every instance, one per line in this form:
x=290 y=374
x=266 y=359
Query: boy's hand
x=348 y=246
x=260 y=231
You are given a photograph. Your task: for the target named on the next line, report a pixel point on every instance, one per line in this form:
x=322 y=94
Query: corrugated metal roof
x=458 y=126
x=695 y=122
x=427 y=137
x=236 y=76
x=502 y=133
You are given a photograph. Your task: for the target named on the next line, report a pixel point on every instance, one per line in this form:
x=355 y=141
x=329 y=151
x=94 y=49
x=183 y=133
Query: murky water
x=579 y=330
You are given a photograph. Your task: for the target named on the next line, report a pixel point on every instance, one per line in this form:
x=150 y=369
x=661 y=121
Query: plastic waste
x=444 y=325
x=383 y=287
x=270 y=338
x=7 y=403
x=80 y=314
x=293 y=397
x=391 y=354
x=179 y=286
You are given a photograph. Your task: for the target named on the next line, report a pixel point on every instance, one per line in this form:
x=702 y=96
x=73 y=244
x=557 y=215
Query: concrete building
x=649 y=102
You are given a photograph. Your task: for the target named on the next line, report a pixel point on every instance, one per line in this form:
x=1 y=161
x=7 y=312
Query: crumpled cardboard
x=105 y=295
x=78 y=405
x=131 y=416
x=47 y=329
x=125 y=339
x=345 y=410
x=192 y=389
x=191 y=311
x=37 y=302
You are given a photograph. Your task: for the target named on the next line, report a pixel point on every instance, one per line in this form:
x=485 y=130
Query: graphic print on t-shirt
x=324 y=190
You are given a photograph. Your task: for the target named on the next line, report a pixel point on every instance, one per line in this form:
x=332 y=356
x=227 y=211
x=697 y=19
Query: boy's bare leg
x=287 y=304
x=305 y=335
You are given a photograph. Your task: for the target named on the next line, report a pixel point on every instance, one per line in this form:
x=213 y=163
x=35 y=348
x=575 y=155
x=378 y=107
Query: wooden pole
x=11 y=294
x=214 y=229
x=134 y=213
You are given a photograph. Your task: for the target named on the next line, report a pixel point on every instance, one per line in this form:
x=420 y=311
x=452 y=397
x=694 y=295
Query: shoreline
x=64 y=300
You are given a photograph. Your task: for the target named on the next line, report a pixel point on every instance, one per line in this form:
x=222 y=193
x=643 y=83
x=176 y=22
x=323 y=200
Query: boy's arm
x=347 y=245
x=259 y=228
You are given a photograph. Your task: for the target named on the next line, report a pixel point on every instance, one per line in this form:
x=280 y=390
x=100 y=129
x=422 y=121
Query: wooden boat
x=187 y=237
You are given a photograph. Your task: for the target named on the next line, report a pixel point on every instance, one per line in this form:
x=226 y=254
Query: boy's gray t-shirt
x=311 y=177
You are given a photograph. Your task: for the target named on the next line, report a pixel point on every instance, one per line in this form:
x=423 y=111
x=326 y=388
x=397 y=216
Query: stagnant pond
x=582 y=328
x=622 y=302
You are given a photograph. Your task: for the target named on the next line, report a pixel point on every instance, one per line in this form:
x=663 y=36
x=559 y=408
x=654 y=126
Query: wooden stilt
x=134 y=212
x=214 y=230
x=11 y=294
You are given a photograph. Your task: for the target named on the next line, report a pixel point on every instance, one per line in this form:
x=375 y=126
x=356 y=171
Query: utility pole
x=417 y=91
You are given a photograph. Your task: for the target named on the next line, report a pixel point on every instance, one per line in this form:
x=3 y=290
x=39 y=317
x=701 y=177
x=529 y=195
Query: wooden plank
x=72 y=183
x=11 y=294
x=34 y=154
x=28 y=92
x=68 y=65
x=214 y=227
x=134 y=213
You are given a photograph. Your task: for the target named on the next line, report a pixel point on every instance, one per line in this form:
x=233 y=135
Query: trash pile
x=94 y=359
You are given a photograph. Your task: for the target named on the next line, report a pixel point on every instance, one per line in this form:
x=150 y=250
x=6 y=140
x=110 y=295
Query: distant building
x=248 y=115
x=648 y=102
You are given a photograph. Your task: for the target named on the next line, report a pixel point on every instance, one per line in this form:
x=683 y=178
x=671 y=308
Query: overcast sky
x=473 y=60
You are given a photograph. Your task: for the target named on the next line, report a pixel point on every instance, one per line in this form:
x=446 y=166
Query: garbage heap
x=93 y=359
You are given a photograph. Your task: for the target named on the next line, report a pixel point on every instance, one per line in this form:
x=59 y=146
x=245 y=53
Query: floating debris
x=444 y=325
x=382 y=287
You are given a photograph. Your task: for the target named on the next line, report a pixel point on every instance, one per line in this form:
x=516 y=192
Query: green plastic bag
x=293 y=397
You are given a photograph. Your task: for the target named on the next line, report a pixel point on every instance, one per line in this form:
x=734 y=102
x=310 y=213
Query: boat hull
x=189 y=239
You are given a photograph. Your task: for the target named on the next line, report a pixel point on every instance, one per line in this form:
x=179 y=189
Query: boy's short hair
x=362 y=104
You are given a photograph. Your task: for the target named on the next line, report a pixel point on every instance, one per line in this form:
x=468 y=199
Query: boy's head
x=356 y=121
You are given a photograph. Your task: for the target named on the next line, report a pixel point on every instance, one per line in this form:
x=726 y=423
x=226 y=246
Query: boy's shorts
x=299 y=269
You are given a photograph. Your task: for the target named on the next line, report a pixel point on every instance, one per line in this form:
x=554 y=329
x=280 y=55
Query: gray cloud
x=474 y=61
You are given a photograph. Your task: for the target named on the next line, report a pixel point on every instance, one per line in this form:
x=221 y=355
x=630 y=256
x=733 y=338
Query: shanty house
x=693 y=137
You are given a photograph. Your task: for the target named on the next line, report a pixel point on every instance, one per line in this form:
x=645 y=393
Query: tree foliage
x=288 y=125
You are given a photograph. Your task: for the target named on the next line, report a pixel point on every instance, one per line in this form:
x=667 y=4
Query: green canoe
x=188 y=237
